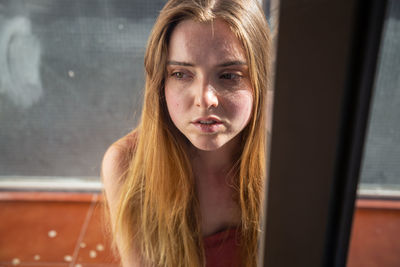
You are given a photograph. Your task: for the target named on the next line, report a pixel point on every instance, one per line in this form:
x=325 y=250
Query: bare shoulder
x=115 y=164
x=113 y=171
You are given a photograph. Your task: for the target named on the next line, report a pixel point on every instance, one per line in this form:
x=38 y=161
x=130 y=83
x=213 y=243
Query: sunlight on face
x=207 y=88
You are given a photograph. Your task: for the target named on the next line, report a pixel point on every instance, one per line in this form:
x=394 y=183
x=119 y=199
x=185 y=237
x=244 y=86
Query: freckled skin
x=205 y=87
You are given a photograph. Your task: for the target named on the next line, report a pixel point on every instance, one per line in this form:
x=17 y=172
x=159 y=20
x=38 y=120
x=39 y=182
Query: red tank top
x=222 y=249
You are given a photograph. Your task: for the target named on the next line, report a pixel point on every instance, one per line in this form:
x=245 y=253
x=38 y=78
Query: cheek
x=240 y=107
x=174 y=104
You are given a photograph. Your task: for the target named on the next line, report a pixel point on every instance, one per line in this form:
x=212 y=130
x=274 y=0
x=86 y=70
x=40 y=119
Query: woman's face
x=207 y=88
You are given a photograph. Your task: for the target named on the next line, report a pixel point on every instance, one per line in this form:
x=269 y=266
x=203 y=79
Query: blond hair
x=158 y=208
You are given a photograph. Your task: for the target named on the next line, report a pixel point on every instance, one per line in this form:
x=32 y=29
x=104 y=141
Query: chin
x=207 y=145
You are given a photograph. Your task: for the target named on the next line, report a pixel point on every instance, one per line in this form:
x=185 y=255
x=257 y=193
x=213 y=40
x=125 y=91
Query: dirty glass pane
x=380 y=172
x=71 y=79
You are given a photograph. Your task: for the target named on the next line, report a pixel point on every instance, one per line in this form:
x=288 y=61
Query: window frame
x=329 y=45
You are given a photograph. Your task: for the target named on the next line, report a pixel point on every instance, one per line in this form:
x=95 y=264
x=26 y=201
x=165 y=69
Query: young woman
x=185 y=187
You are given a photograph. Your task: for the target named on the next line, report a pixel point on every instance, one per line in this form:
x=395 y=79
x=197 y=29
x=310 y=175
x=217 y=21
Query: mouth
x=208 y=125
x=208 y=121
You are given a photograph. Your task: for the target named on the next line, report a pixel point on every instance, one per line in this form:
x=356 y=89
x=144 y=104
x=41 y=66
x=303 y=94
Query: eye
x=230 y=76
x=178 y=75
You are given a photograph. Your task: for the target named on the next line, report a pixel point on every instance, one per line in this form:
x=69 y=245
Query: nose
x=206 y=96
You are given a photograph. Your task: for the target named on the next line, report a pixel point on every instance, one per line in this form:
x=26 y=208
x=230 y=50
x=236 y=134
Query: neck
x=217 y=163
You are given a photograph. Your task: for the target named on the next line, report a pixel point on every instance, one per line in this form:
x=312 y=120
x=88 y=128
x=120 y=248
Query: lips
x=209 y=124
x=208 y=120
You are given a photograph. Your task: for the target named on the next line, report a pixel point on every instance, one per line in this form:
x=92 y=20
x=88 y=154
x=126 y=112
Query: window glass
x=380 y=173
x=71 y=79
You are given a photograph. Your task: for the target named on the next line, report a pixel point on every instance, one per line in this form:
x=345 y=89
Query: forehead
x=204 y=43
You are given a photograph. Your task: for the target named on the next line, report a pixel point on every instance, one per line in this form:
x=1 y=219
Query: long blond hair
x=158 y=209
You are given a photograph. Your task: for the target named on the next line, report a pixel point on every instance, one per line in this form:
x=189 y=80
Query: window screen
x=71 y=80
x=381 y=168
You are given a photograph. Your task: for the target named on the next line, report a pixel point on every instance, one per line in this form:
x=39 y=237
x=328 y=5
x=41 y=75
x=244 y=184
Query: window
x=67 y=68
x=380 y=173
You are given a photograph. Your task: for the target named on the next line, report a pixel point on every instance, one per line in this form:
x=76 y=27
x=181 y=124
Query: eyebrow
x=232 y=63
x=225 y=64
x=179 y=63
